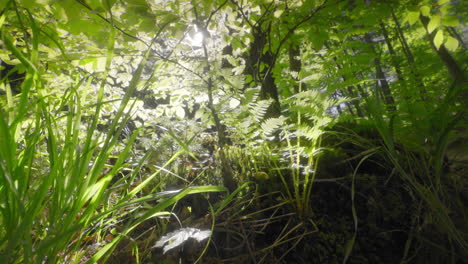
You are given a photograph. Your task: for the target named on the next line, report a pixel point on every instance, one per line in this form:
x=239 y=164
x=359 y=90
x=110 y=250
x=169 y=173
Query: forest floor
x=262 y=226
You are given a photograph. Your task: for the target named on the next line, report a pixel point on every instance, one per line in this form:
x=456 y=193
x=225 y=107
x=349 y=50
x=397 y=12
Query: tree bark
x=259 y=65
x=295 y=64
x=392 y=52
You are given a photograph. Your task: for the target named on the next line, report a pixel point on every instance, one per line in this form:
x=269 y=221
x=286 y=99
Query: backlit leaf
x=439 y=39
x=445 y=9
x=108 y=4
x=272 y=124
x=433 y=24
x=179 y=112
x=278 y=13
x=425 y=11
x=450 y=21
x=451 y=43
x=441 y=2
x=412 y=17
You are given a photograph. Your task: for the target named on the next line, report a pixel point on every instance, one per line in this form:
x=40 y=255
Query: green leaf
x=208 y=6
x=77 y=26
x=439 y=39
x=33 y=3
x=318 y=38
x=425 y=11
x=286 y=92
x=433 y=24
x=95 y=5
x=412 y=17
x=412 y=8
x=450 y=21
x=108 y=4
x=155 y=211
x=441 y=2
x=451 y=43
x=179 y=112
x=278 y=13
x=72 y=9
x=272 y=124
x=444 y=10
x=259 y=109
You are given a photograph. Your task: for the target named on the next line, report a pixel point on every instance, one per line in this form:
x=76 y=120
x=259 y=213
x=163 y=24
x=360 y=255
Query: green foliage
x=104 y=104
x=53 y=174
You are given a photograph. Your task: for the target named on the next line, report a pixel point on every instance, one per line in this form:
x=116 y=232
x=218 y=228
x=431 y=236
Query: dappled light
x=196 y=37
x=233 y=131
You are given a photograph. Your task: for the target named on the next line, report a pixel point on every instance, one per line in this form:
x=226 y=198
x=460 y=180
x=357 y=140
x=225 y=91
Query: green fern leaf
x=259 y=109
x=272 y=124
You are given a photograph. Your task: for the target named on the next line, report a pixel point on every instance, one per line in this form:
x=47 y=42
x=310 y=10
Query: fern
x=271 y=125
x=259 y=109
x=316 y=106
x=309 y=132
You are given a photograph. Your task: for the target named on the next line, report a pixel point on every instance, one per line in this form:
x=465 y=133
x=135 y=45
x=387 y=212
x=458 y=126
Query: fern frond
x=272 y=124
x=259 y=109
x=309 y=132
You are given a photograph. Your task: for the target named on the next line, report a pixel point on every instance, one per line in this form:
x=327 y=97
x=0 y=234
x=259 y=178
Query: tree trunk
x=392 y=52
x=259 y=65
x=295 y=64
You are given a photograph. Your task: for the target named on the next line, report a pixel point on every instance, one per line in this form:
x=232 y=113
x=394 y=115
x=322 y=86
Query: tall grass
x=419 y=162
x=55 y=188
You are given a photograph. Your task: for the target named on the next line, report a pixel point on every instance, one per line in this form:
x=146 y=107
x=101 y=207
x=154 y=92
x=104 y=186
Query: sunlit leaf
x=425 y=11
x=439 y=39
x=412 y=17
x=208 y=6
x=272 y=124
x=108 y=4
x=259 y=109
x=445 y=9
x=96 y=5
x=311 y=77
x=451 y=43
x=441 y=2
x=433 y=24
x=450 y=21
x=179 y=112
x=278 y=13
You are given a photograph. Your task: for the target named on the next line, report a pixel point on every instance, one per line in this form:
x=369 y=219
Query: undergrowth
x=332 y=141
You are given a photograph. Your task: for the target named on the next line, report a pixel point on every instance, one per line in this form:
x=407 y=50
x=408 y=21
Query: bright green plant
x=254 y=60
x=424 y=172
x=309 y=117
x=420 y=166
x=54 y=184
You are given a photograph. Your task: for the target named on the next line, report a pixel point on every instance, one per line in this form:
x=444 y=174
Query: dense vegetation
x=233 y=131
